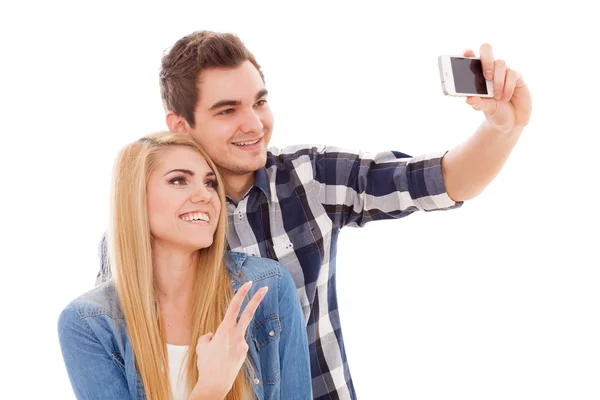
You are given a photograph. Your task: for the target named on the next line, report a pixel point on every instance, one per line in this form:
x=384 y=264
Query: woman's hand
x=221 y=355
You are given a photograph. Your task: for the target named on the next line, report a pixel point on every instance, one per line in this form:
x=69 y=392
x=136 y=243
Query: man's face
x=233 y=119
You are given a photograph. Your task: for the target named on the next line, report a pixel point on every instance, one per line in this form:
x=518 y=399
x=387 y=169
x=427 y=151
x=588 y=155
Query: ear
x=177 y=123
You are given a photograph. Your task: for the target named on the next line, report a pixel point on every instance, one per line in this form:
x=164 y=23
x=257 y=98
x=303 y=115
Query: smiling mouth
x=195 y=217
x=248 y=143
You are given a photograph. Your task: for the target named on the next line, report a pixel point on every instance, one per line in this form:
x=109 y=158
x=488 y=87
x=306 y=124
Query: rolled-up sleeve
x=356 y=188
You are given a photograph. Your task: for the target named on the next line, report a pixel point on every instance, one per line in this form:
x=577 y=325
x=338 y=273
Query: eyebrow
x=233 y=103
x=188 y=172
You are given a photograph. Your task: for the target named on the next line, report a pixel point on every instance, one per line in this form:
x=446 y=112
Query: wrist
x=498 y=134
x=200 y=393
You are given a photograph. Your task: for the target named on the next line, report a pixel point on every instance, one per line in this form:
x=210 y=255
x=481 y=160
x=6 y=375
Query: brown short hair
x=189 y=56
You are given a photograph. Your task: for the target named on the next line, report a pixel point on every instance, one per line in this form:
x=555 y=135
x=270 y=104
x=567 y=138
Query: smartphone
x=463 y=76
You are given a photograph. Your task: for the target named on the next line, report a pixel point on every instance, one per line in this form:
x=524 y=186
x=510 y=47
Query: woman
x=166 y=325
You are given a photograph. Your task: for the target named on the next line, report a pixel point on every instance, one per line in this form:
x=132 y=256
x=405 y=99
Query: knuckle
x=240 y=327
x=241 y=336
x=243 y=347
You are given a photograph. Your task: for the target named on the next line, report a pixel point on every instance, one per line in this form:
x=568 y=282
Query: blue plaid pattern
x=294 y=212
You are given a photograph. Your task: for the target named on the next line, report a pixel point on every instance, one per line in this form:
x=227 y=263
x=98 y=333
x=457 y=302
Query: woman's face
x=183 y=203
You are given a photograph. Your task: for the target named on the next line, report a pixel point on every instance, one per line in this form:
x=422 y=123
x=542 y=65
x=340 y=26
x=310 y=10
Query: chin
x=199 y=244
x=254 y=164
x=205 y=244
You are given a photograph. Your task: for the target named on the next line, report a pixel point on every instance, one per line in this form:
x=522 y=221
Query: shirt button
x=272 y=333
x=256 y=381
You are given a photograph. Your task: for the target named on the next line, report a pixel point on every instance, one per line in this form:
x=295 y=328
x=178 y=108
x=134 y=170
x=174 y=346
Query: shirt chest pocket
x=266 y=337
x=288 y=248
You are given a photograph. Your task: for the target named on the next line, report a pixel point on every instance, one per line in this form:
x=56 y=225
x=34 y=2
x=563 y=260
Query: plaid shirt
x=294 y=212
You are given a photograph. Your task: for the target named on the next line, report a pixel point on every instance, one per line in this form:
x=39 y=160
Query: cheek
x=267 y=117
x=217 y=131
x=216 y=205
x=161 y=210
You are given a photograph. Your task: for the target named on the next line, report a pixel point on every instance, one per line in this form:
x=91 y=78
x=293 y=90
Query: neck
x=236 y=186
x=174 y=273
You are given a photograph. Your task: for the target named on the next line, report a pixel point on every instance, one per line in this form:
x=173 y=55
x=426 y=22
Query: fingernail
x=264 y=290
x=248 y=284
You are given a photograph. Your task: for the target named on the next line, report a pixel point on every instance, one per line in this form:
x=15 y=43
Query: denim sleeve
x=92 y=371
x=293 y=346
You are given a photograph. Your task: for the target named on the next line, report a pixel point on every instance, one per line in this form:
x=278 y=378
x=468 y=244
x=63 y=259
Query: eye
x=178 y=181
x=261 y=102
x=211 y=183
x=228 y=111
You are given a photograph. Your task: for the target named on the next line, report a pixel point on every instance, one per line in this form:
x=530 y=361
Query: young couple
x=218 y=276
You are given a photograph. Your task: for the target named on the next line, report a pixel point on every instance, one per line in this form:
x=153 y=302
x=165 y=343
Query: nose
x=201 y=195
x=251 y=122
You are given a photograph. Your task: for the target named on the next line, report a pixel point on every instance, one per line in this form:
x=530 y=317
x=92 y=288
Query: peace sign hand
x=221 y=355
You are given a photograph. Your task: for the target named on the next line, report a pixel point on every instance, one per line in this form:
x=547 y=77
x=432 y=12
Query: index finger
x=230 y=318
x=487 y=61
x=251 y=309
x=468 y=53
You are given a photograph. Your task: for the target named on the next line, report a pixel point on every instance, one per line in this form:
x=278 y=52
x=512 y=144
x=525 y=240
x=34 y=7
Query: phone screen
x=468 y=76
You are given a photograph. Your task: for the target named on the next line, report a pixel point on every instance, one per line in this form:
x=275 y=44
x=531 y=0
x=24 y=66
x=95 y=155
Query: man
x=291 y=204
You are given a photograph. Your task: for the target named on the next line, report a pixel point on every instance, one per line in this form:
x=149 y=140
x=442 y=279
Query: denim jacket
x=99 y=357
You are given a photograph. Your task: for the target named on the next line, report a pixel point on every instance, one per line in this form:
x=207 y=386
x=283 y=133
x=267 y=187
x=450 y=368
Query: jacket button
x=272 y=333
x=256 y=381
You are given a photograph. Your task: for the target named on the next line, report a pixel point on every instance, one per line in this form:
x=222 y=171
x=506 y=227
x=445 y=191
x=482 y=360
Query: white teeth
x=246 y=143
x=196 y=217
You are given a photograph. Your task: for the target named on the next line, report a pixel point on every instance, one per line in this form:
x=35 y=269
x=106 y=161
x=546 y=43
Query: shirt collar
x=262 y=182
x=234 y=261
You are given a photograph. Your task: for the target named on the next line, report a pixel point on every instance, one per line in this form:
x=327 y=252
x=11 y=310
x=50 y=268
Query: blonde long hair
x=130 y=252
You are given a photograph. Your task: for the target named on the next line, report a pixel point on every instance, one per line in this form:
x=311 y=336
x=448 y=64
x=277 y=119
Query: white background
x=497 y=300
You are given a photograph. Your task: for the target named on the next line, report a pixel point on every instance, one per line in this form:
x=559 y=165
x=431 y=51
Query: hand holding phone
x=490 y=86
x=463 y=76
